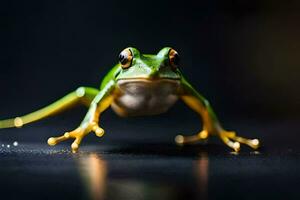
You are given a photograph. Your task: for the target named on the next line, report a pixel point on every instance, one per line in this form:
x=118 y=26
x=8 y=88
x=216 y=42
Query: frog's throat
x=139 y=97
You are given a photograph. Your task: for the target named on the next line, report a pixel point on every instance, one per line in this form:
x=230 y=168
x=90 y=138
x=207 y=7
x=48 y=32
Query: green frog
x=139 y=85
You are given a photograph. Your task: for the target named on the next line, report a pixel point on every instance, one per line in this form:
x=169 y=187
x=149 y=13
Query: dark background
x=242 y=55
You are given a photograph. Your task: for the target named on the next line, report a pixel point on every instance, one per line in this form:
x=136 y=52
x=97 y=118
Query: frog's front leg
x=90 y=123
x=211 y=125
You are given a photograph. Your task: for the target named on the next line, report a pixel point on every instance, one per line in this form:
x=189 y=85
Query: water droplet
x=15 y=143
x=2 y=145
x=8 y=146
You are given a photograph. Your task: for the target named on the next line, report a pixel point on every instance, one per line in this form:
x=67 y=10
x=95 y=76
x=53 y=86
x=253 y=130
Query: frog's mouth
x=151 y=79
x=142 y=85
x=148 y=80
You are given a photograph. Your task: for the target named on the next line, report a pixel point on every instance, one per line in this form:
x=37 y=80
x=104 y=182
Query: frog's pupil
x=122 y=58
x=176 y=59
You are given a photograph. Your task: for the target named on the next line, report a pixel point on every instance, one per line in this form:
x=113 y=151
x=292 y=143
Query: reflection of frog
x=138 y=85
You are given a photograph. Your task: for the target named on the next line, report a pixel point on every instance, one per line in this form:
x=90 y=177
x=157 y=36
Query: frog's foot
x=181 y=140
x=77 y=134
x=233 y=141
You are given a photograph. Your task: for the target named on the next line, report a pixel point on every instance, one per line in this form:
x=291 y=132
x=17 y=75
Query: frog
x=138 y=85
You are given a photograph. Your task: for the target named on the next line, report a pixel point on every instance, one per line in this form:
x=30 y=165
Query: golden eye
x=125 y=58
x=174 y=58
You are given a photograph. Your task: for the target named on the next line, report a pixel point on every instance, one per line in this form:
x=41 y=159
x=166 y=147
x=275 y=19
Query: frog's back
x=110 y=75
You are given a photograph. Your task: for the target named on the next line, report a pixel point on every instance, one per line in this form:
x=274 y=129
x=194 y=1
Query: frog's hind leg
x=82 y=95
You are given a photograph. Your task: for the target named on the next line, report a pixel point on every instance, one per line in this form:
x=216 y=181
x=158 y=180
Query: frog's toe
x=77 y=134
x=97 y=130
x=181 y=140
x=232 y=140
x=253 y=143
x=75 y=144
x=55 y=140
x=232 y=144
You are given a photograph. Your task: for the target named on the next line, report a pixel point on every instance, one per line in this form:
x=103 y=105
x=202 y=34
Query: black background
x=242 y=55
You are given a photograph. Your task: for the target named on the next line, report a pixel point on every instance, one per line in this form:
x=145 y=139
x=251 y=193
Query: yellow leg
x=211 y=126
x=90 y=123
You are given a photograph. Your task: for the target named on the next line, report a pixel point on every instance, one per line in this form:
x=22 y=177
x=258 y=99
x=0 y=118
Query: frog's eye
x=174 y=58
x=125 y=58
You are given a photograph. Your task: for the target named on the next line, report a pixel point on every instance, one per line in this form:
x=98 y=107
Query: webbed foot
x=77 y=134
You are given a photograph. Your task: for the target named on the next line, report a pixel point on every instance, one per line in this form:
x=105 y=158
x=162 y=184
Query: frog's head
x=163 y=65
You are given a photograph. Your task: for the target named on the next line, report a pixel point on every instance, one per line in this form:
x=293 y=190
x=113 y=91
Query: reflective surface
x=130 y=168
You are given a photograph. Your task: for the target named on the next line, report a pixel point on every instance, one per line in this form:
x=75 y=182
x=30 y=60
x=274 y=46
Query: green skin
x=148 y=70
